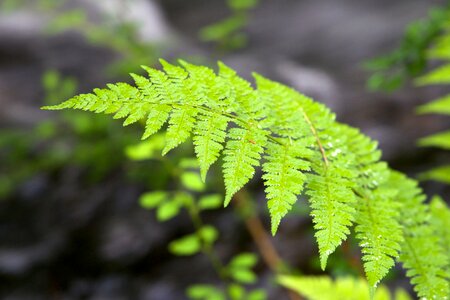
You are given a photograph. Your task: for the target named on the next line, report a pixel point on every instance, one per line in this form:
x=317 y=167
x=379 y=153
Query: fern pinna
x=441 y=75
x=303 y=150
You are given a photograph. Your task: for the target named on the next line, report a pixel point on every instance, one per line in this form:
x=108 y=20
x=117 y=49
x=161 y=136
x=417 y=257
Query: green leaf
x=181 y=124
x=242 y=155
x=223 y=29
x=236 y=292
x=147 y=149
x=440 y=75
x=324 y=288
x=379 y=232
x=208 y=234
x=192 y=181
x=439 y=106
x=167 y=210
x=189 y=163
x=441 y=174
x=440 y=220
x=152 y=199
x=440 y=140
x=258 y=294
x=401 y=294
x=187 y=245
x=243 y=275
x=331 y=212
x=422 y=256
x=244 y=261
x=284 y=179
x=242 y=4
x=209 y=136
x=212 y=201
x=204 y=292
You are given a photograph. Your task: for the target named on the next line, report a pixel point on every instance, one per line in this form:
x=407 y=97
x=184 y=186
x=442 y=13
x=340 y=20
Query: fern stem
x=316 y=135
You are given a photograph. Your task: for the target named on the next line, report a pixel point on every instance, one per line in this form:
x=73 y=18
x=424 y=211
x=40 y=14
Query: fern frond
x=421 y=255
x=304 y=150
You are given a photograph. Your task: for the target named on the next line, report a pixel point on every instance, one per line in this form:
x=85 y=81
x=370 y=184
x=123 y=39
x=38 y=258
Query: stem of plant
x=206 y=247
x=261 y=238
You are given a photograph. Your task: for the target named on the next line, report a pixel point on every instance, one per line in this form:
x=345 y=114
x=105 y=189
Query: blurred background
x=71 y=222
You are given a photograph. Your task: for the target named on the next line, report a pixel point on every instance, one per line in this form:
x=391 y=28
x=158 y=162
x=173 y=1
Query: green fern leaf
x=439 y=76
x=331 y=193
x=421 y=255
x=241 y=155
x=331 y=212
x=439 y=106
x=209 y=136
x=440 y=220
x=441 y=174
x=284 y=178
x=156 y=119
x=181 y=123
x=377 y=219
x=441 y=140
x=379 y=233
x=346 y=288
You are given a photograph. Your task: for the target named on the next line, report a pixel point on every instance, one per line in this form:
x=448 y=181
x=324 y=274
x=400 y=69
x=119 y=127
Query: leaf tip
x=227 y=200
x=323 y=261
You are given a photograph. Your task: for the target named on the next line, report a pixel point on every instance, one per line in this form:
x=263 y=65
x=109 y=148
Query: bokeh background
x=71 y=226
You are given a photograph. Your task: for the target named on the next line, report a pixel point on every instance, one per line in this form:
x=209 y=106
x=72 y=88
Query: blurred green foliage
x=190 y=195
x=343 y=288
x=73 y=139
x=110 y=31
x=228 y=34
x=12 y=5
x=409 y=60
x=424 y=41
x=439 y=76
x=69 y=140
